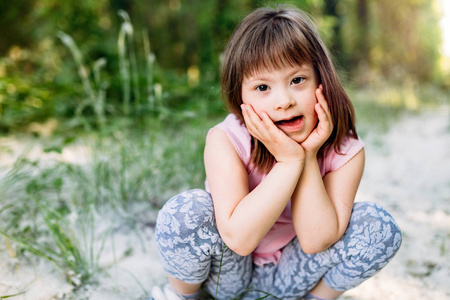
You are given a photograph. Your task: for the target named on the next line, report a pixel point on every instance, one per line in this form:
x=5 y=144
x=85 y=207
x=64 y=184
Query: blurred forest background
x=104 y=107
x=87 y=61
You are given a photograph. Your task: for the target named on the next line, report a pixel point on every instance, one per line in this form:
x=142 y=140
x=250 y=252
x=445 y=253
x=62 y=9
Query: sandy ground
x=407 y=171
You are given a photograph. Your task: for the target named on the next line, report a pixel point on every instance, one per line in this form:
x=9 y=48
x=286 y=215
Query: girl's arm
x=244 y=218
x=321 y=208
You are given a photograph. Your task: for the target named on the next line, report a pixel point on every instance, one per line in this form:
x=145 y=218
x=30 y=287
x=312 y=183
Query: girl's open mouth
x=292 y=124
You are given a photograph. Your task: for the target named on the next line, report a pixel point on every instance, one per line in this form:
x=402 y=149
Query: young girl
x=278 y=215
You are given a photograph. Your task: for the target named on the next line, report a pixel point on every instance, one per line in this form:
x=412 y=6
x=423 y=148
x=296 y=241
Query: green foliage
x=137 y=59
x=391 y=40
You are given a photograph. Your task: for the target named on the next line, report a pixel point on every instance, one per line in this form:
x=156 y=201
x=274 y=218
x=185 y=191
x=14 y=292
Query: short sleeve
x=332 y=160
x=238 y=135
x=241 y=140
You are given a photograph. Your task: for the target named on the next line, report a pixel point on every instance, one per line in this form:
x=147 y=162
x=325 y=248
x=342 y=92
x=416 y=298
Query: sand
x=407 y=172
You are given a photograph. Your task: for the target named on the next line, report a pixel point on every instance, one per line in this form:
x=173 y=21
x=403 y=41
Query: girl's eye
x=262 y=88
x=297 y=80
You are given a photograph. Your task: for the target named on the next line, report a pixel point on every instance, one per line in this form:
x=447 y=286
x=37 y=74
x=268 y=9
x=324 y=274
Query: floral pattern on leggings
x=191 y=250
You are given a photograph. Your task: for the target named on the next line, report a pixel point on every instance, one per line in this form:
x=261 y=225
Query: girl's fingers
x=268 y=123
x=244 y=113
x=321 y=97
x=323 y=104
x=260 y=126
x=259 y=121
x=252 y=120
x=325 y=126
x=249 y=112
x=321 y=113
x=247 y=115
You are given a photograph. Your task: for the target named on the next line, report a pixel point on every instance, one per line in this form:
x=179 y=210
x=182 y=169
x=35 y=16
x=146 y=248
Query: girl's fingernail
x=243 y=107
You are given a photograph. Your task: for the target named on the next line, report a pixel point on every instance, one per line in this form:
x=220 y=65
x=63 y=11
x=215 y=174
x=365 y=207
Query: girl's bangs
x=277 y=46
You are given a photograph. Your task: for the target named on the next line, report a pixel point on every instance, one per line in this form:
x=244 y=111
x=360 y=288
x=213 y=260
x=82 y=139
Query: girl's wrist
x=292 y=164
x=311 y=155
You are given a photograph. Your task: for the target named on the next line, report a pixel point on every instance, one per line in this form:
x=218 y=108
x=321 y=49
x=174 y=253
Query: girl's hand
x=282 y=147
x=324 y=128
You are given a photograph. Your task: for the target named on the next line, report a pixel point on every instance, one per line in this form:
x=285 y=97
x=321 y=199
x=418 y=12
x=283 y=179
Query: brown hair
x=272 y=39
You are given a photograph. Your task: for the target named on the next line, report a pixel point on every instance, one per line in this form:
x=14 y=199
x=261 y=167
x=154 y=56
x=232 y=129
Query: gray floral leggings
x=192 y=251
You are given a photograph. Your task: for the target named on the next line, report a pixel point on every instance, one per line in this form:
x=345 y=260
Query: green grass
x=51 y=210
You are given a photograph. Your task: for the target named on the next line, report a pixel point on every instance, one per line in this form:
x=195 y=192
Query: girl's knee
x=374 y=231
x=187 y=236
x=372 y=212
x=184 y=213
x=370 y=242
x=196 y=195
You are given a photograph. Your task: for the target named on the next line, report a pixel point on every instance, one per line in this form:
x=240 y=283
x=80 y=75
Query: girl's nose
x=284 y=101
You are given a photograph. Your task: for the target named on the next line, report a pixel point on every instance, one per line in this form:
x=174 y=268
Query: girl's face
x=287 y=95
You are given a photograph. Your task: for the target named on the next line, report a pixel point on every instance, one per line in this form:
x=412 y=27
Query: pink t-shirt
x=282 y=232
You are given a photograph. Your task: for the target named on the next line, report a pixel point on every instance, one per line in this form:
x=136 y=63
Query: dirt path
x=409 y=174
x=407 y=171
